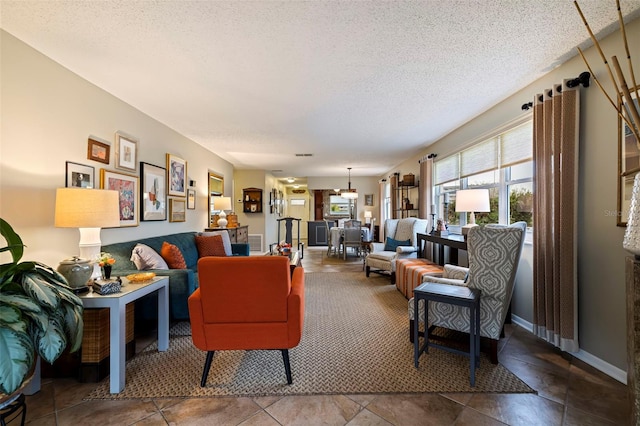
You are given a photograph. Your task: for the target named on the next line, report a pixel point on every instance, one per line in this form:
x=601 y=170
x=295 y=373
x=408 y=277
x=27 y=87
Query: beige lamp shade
x=222 y=203
x=86 y=208
x=472 y=200
x=367 y=214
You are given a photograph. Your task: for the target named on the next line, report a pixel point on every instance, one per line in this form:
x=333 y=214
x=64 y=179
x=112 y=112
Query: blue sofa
x=182 y=282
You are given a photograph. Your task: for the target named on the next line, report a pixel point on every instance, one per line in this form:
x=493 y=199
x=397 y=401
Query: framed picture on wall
x=126 y=152
x=177 y=211
x=153 y=196
x=127 y=187
x=191 y=199
x=628 y=163
x=177 y=169
x=98 y=151
x=368 y=199
x=79 y=175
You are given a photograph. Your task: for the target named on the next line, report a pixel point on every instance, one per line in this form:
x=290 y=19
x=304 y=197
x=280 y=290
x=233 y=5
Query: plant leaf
x=20 y=301
x=14 y=242
x=16 y=358
x=74 y=325
x=39 y=289
x=53 y=341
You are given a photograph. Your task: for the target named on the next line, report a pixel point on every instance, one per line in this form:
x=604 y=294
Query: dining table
x=337 y=232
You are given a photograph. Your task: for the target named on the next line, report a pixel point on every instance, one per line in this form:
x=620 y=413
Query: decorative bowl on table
x=141 y=277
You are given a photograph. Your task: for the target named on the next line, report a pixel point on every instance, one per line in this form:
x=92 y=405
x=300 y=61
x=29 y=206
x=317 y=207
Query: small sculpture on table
x=441 y=229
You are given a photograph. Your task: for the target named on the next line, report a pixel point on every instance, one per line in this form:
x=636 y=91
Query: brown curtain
x=425 y=199
x=394 y=195
x=382 y=214
x=555 y=151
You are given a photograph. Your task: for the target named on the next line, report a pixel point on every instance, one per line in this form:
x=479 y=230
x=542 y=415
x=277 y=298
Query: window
x=501 y=163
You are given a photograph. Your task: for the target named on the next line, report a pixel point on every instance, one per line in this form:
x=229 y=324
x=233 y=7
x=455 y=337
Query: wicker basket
x=95 y=340
x=409 y=180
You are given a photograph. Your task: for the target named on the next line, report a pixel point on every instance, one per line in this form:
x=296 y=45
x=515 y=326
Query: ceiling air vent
x=304 y=155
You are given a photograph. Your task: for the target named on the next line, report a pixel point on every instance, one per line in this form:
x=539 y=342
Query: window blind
x=502 y=150
x=479 y=158
x=516 y=145
x=447 y=169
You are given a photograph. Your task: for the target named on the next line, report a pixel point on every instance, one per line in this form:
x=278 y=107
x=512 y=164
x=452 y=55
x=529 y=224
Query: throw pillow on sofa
x=173 y=256
x=210 y=245
x=144 y=257
x=392 y=244
x=226 y=241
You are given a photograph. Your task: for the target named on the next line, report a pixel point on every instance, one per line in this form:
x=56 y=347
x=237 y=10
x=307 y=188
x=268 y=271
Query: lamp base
x=222 y=220
x=465 y=228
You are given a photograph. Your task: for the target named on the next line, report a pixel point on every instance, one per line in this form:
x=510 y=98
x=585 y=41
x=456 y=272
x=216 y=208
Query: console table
x=454 y=241
x=237 y=235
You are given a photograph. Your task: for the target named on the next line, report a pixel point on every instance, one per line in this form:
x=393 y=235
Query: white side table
x=117 y=304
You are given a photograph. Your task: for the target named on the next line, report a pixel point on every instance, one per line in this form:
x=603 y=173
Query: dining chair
x=352 y=237
x=330 y=247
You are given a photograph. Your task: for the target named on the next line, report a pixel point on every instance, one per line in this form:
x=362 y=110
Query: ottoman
x=409 y=273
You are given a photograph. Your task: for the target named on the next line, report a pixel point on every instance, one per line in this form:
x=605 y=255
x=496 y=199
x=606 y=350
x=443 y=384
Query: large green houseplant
x=39 y=314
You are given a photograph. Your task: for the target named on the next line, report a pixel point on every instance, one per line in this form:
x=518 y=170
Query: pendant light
x=351 y=194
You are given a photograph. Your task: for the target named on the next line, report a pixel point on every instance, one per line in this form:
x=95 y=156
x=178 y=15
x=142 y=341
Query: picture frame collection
x=156 y=194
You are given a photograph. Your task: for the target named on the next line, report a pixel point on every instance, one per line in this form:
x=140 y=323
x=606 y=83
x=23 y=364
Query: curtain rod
x=582 y=79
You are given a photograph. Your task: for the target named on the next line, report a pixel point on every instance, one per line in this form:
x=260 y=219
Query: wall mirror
x=216 y=189
x=628 y=163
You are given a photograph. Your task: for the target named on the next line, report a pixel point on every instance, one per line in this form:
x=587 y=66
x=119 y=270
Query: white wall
x=601 y=279
x=48 y=113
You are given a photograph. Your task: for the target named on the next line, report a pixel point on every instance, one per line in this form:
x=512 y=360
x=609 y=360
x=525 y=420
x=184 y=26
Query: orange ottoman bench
x=409 y=273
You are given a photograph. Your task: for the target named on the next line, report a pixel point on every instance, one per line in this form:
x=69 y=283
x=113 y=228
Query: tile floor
x=570 y=392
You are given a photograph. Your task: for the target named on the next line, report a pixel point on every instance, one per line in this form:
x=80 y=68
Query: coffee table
x=117 y=304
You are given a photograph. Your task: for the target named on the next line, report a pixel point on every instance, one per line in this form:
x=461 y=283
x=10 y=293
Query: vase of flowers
x=105 y=261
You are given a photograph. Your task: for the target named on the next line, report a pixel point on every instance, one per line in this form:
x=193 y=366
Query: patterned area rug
x=355 y=341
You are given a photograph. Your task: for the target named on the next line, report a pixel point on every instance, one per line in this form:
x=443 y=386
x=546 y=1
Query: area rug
x=355 y=341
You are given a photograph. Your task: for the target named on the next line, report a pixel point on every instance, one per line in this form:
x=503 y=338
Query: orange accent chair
x=246 y=303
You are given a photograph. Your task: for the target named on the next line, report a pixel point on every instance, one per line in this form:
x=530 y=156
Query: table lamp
x=367 y=216
x=222 y=204
x=472 y=200
x=89 y=210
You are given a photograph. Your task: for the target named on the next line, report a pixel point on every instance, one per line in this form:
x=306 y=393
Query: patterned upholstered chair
x=383 y=256
x=494 y=253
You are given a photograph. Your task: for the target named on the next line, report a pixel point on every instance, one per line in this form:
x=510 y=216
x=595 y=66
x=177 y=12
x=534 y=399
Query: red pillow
x=210 y=245
x=173 y=256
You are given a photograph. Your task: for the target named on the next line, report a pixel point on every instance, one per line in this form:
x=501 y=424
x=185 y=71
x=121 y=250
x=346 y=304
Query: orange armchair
x=246 y=303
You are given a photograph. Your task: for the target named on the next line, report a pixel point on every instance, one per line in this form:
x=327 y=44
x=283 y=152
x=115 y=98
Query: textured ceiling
x=357 y=84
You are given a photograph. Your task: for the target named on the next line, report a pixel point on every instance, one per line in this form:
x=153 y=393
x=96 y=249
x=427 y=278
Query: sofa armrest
x=196 y=318
x=377 y=247
x=406 y=249
x=295 y=306
x=455 y=272
x=240 y=249
x=439 y=280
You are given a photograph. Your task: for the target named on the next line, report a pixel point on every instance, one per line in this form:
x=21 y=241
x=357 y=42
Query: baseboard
x=597 y=363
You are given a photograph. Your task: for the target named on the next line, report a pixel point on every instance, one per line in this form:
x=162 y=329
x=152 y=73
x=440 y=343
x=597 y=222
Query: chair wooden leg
x=493 y=351
x=393 y=278
x=207 y=366
x=367 y=270
x=412 y=337
x=287 y=366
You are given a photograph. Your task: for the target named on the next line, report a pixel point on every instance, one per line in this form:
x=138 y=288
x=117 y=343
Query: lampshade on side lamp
x=222 y=204
x=631 y=240
x=472 y=200
x=367 y=216
x=89 y=210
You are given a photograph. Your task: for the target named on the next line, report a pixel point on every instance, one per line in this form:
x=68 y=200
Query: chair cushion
x=226 y=241
x=173 y=256
x=392 y=244
x=144 y=257
x=210 y=245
